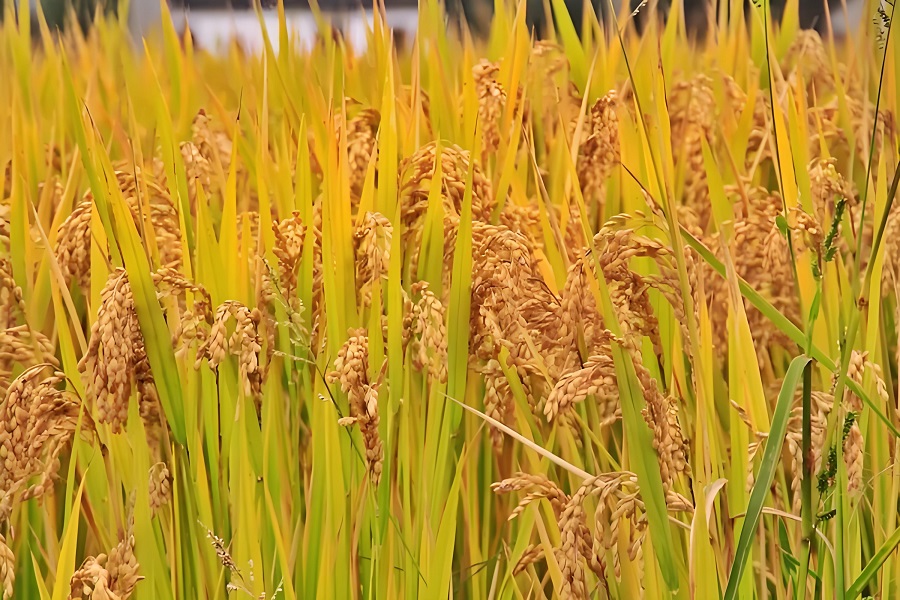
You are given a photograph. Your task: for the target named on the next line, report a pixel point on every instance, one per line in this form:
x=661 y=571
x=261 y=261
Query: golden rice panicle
x=167 y=230
x=250 y=220
x=73 y=242
x=570 y=554
x=362 y=146
x=531 y=555
x=822 y=403
x=828 y=120
x=549 y=54
x=451 y=229
x=661 y=415
x=267 y=298
x=512 y=306
x=290 y=234
x=807 y=61
x=245 y=342
x=23 y=346
x=122 y=563
x=537 y=486
x=170 y=282
x=574 y=240
x=160 y=487
x=776 y=265
x=73 y=245
x=692 y=115
x=735 y=98
x=12 y=302
x=861 y=115
x=37 y=421
x=152 y=208
x=854 y=454
x=629 y=295
x=859 y=362
x=108 y=577
x=7 y=570
x=191 y=327
x=410 y=321
x=628 y=290
x=575 y=534
x=318 y=284
x=811 y=231
x=14 y=446
x=890 y=276
x=147 y=394
x=827 y=185
x=429 y=328
x=214 y=145
x=598 y=379
x=416 y=173
x=854 y=443
x=619 y=503
x=581 y=317
x=50 y=428
x=491 y=103
x=557 y=97
x=577 y=543
x=499 y=403
x=599 y=153
x=18 y=342
x=524 y=217
x=373 y=254
x=108 y=367
x=197 y=169
x=351 y=371
x=762 y=257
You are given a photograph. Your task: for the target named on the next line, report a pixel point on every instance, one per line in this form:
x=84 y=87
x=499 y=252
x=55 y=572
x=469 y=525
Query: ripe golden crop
x=601 y=315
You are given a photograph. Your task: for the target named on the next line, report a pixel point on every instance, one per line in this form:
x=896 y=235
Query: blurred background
x=215 y=23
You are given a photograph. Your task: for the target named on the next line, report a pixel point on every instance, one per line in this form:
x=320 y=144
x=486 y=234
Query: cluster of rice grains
x=540 y=349
x=561 y=352
x=110 y=576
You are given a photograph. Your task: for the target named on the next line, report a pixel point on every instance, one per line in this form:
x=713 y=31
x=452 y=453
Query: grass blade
x=771 y=457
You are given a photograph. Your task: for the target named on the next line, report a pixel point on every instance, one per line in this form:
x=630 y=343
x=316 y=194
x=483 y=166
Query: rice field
x=603 y=315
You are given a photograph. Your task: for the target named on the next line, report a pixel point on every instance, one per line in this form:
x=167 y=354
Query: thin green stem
x=806 y=508
x=865 y=192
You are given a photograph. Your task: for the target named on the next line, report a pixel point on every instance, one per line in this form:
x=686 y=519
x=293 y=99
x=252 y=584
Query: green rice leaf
x=770 y=460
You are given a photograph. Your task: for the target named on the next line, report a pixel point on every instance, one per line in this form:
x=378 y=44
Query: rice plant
x=605 y=314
